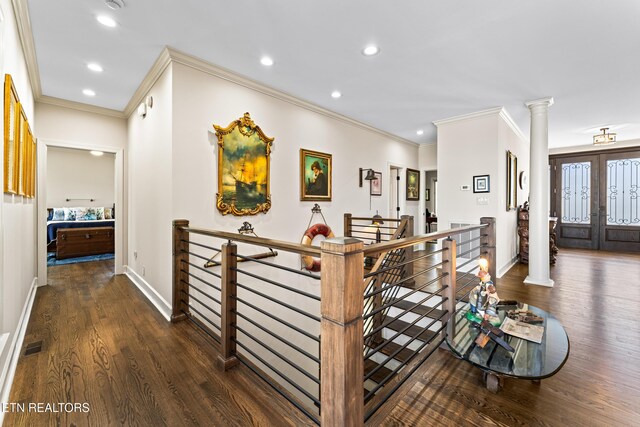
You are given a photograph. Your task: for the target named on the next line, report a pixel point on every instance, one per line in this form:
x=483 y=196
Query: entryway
x=595 y=197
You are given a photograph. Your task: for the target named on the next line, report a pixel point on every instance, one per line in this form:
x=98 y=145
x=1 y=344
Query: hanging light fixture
x=604 y=138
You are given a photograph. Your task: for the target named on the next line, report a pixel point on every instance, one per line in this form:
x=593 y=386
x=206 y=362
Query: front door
x=576 y=202
x=596 y=200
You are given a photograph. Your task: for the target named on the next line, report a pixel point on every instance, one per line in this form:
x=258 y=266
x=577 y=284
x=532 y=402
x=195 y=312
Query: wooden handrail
x=414 y=240
x=258 y=241
x=363 y=218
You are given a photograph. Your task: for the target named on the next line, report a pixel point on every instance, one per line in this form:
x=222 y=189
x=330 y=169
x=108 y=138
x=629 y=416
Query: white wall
x=76 y=174
x=189 y=163
x=17 y=214
x=477 y=145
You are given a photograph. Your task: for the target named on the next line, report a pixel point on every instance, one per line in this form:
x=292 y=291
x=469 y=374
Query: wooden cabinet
x=523 y=232
x=76 y=242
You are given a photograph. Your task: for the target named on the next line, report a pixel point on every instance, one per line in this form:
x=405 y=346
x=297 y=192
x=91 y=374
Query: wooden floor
x=597 y=298
x=105 y=345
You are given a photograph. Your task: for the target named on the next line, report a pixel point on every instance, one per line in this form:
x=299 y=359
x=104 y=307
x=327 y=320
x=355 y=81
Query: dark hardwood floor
x=104 y=344
x=597 y=298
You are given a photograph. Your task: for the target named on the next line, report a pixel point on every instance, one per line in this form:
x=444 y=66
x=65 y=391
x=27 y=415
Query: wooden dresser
x=76 y=242
x=523 y=232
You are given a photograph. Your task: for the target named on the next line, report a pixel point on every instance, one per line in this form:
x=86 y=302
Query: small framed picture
x=481 y=184
x=375 y=185
x=412 y=186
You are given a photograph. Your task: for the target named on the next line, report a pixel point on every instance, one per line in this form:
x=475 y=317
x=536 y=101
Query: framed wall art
x=243 y=168
x=481 y=184
x=512 y=182
x=21 y=165
x=375 y=185
x=11 y=136
x=315 y=176
x=413 y=184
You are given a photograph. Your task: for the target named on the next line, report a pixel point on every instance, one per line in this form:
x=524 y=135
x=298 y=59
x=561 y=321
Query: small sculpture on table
x=483 y=299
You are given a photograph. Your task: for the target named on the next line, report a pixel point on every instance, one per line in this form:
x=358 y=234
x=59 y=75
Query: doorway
x=394 y=192
x=595 y=198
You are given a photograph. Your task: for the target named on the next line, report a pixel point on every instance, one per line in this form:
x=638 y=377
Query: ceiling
x=437 y=59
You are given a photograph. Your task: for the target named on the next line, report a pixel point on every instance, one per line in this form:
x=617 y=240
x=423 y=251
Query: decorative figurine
x=483 y=299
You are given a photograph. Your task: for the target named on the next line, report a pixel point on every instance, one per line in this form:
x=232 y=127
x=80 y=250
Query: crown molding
x=169 y=55
x=44 y=99
x=23 y=22
x=497 y=111
x=149 y=80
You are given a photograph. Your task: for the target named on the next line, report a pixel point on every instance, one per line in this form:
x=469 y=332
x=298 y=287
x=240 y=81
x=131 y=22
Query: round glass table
x=528 y=360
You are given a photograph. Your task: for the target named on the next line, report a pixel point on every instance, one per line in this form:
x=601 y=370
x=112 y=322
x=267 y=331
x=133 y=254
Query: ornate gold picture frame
x=11 y=135
x=243 y=168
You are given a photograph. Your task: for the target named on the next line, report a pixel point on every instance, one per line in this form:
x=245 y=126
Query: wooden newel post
x=227 y=358
x=347 y=224
x=489 y=239
x=449 y=280
x=342 y=365
x=180 y=303
x=408 y=268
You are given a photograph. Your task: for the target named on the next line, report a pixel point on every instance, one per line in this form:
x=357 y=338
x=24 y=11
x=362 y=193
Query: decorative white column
x=538 y=194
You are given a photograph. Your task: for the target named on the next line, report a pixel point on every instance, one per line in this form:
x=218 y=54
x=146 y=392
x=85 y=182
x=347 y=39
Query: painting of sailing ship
x=243 y=168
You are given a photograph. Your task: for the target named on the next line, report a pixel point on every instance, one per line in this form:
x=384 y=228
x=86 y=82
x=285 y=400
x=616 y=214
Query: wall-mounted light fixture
x=370 y=175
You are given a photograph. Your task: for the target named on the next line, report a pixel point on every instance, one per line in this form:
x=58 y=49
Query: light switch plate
x=465 y=187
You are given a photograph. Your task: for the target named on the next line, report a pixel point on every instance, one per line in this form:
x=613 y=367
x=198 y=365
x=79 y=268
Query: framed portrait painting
x=375 y=185
x=412 y=186
x=315 y=176
x=243 y=168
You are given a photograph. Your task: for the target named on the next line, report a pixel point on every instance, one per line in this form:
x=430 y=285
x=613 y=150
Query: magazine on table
x=522 y=330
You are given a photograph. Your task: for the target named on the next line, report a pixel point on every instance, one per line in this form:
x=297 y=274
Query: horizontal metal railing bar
x=280 y=267
x=373 y=225
x=201 y=245
x=363 y=218
x=277 y=301
x=460 y=288
x=372 y=232
x=258 y=241
x=414 y=240
x=395 y=371
x=200 y=325
x=279 y=338
x=381 y=270
x=284 y=322
x=401 y=281
x=373 y=410
x=277 y=389
x=202 y=292
x=466 y=242
x=477 y=248
x=280 y=374
x=201 y=303
x=278 y=354
x=203 y=316
x=278 y=284
x=406 y=328
x=203 y=269
x=461 y=299
x=201 y=257
x=390 y=304
x=464 y=264
x=202 y=280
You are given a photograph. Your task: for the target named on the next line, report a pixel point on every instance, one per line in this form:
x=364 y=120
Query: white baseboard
x=9 y=369
x=507 y=267
x=152 y=295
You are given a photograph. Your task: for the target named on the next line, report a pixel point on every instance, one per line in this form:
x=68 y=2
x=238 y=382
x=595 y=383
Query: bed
x=72 y=222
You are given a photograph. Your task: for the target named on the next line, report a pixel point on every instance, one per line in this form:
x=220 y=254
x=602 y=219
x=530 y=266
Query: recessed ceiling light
x=88 y=92
x=336 y=94
x=96 y=153
x=94 y=67
x=266 y=61
x=114 y=4
x=370 y=50
x=106 y=21
x=420 y=132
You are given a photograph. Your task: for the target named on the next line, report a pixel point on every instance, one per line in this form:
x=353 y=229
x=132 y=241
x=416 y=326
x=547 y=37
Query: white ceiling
x=438 y=59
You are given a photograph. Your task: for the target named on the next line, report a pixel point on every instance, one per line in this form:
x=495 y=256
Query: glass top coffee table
x=529 y=360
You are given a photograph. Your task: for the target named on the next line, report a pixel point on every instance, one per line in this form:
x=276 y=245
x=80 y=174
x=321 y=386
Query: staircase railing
x=304 y=333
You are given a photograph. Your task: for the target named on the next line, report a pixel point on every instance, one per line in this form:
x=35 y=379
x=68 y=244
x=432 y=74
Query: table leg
x=493 y=382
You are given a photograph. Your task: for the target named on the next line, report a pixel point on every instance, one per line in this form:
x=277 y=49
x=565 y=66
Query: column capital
x=547 y=102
